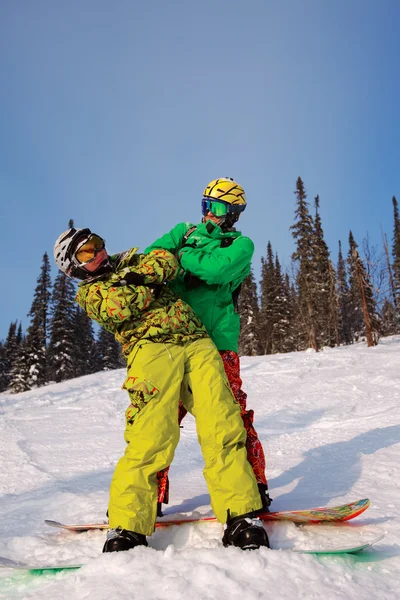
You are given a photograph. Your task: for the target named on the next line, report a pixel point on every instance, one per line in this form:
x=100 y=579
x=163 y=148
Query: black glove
x=132 y=279
x=138 y=279
x=265 y=499
x=191 y=281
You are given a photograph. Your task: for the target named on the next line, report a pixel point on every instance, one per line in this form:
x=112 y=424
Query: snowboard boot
x=159 y=509
x=265 y=499
x=122 y=539
x=245 y=532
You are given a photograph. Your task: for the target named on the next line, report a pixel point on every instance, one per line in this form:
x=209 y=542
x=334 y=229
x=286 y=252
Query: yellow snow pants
x=156 y=374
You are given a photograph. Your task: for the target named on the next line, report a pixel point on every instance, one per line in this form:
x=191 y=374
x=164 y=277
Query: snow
x=330 y=426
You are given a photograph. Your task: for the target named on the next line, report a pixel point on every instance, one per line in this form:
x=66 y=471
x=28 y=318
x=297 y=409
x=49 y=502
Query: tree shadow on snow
x=332 y=470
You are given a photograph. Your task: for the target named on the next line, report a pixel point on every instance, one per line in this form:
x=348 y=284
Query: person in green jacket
x=167 y=348
x=214 y=259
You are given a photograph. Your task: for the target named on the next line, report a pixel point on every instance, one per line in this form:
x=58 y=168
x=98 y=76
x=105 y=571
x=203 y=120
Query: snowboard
x=6 y=563
x=341 y=513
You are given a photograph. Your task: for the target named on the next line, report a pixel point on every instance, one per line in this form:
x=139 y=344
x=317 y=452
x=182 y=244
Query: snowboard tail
x=341 y=513
x=345 y=549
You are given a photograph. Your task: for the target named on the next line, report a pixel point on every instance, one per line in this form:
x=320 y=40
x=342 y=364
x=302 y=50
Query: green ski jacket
x=213 y=265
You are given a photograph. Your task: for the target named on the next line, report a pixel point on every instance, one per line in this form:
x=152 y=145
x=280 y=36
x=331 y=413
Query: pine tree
x=298 y=329
x=10 y=352
x=344 y=301
x=396 y=260
x=389 y=305
x=333 y=315
x=249 y=341
x=3 y=368
x=36 y=342
x=282 y=337
x=292 y=341
x=303 y=233
x=19 y=335
x=12 y=342
x=357 y=326
x=389 y=325
x=109 y=351
x=20 y=375
x=326 y=305
x=60 y=357
x=268 y=292
x=86 y=357
x=362 y=296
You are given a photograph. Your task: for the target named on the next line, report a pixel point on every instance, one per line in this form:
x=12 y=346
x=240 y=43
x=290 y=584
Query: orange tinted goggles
x=89 y=249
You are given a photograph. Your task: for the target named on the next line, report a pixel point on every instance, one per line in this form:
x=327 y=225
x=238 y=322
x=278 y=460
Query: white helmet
x=64 y=254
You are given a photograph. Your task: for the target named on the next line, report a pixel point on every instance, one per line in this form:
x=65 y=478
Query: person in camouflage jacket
x=167 y=350
x=214 y=259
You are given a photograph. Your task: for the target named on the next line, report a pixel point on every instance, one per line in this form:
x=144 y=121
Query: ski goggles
x=100 y=259
x=219 y=208
x=89 y=250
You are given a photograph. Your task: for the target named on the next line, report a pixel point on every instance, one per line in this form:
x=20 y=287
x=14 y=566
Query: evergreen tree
x=344 y=300
x=268 y=292
x=389 y=325
x=357 y=326
x=10 y=352
x=3 y=368
x=12 y=342
x=396 y=260
x=363 y=303
x=326 y=305
x=20 y=375
x=298 y=328
x=276 y=314
x=19 y=335
x=109 y=351
x=291 y=343
x=333 y=315
x=36 y=342
x=303 y=233
x=282 y=337
x=86 y=358
x=60 y=356
x=249 y=342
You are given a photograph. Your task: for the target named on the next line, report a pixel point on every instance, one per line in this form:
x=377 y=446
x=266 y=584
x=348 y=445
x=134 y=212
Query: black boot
x=159 y=509
x=265 y=499
x=122 y=539
x=245 y=532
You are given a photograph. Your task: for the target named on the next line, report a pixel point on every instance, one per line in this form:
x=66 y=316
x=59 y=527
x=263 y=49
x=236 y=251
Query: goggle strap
x=207 y=205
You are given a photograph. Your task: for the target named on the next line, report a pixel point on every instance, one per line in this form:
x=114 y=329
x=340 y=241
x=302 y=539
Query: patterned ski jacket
x=213 y=265
x=136 y=313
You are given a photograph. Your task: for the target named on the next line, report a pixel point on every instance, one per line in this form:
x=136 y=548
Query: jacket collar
x=214 y=231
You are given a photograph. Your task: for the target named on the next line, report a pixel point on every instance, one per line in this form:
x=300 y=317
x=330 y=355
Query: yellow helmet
x=227 y=190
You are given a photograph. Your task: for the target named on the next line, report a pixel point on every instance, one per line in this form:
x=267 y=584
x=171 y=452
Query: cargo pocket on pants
x=140 y=391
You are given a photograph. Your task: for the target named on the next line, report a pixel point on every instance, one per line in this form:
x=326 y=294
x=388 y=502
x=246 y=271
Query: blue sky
x=117 y=114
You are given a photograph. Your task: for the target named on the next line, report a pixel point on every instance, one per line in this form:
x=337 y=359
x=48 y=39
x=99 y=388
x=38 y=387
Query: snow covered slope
x=330 y=425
